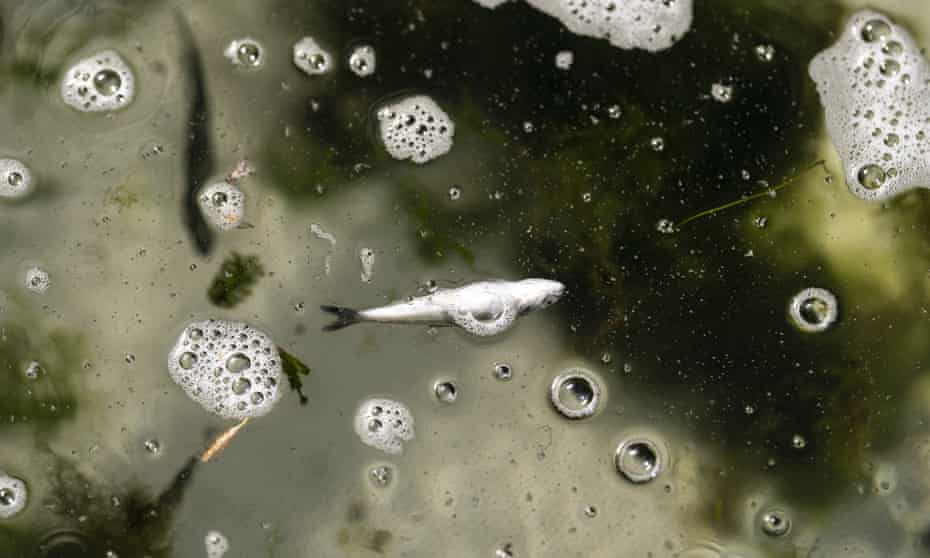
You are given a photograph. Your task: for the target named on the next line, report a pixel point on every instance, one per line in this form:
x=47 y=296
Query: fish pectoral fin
x=484 y=328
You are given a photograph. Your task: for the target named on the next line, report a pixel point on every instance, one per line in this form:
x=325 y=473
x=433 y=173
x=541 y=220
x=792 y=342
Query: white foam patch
x=223 y=205
x=15 y=179
x=311 y=58
x=384 y=424
x=37 y=280
x=873 y=85
x=13 y=496
x=651 y=25
x=101 y=83
x=230 y=368
x=363 y=61
x=490 y=3
x=366 y=257
x=216 y=543
x=415 y=128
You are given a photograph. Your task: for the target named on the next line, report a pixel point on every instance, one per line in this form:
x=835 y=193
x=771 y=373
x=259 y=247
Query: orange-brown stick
x=222 y=441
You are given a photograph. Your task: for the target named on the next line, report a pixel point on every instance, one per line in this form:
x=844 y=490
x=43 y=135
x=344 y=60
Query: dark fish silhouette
x=198 y=165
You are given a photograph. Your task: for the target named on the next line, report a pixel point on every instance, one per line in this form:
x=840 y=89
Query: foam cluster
x=101 y=83
x=13 y=496
x=230 y=368
x=15 y=179
x=384 y=424
x=415 y=128
x=651 y=25
x=223 y=205
x=216 y=543
x=37 y=280
x=873 y=85
x=311 y=58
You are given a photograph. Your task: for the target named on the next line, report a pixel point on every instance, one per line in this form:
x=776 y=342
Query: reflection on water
x=736 y=367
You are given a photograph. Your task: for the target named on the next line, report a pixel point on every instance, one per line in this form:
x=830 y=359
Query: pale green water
x=687 y=334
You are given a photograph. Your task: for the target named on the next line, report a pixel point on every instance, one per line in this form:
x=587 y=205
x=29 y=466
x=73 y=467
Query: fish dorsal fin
x=485 y=328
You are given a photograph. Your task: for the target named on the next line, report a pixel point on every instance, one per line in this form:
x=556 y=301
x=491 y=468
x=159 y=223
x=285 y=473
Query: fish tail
x=344 y=317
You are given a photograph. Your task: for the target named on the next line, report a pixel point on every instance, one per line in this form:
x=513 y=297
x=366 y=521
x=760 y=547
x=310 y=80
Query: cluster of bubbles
x=873 y=87
x=384 y=424
x=230 y=368
x=366 y=257
x=362 y=60
x=216 y=543
x=245 y=53
x=415 y=128
x=575 y=393
x=37 y=280
x=813 y=310
x=651 y=25
x=33 y=370
x=15 y=179
x=381 y=475
x=223 y=205
x=13 y=496
x=311 y=58
x=101 y=83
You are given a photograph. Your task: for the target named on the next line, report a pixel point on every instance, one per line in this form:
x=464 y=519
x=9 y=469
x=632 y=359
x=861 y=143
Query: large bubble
x=101 y=83
x=311 y=58
x=873 y=84
x=230 y=368
x=415 y=128
x=384 y=424
x=13 y=496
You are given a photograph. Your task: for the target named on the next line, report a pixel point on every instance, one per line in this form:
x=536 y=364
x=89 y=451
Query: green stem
x=766 y=192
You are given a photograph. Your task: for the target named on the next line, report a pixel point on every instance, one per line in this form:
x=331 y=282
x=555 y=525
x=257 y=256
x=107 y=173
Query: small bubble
x=528 y=127
x=586 y=197
x=13 y=496
x=381 y=475
x=893 y=48
x=590 y=511
x=638 y=460
x=503 y=371
x=798 y=442
x=657 y=144
x=889 y=68
x=872 y=177
x=248 y=53
x=665 y=226
x=446 y=392
x=606 y=358
x=33 y=370
x=813 y=309
x=129 y=358
x=775 y=523
x=761 y=222
x=455 y=193
x=564 y=59
x=37 y=280
x=614 y=112
x=721 y=93
x=505 y=551
x=362 y=61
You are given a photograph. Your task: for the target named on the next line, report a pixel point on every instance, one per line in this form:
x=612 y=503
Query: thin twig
x=222 y=441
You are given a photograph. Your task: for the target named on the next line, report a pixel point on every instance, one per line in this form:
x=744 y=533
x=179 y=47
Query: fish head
x=538 y=293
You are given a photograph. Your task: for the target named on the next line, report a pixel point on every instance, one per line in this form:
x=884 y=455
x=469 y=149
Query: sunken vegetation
x=702 y=319
x=234 y=281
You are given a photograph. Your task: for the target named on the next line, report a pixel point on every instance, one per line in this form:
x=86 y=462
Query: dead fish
x=484 y=308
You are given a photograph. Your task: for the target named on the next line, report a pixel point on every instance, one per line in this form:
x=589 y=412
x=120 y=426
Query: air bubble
x=241 y=386
x=455 y=193
x=872 y=177
x=13 y=496
x=362 y=60
x=503 y=371
x=110 y=77
x=187 y=360
x=33 y=370
x=245 y=53
x=37 y=280
x=311 y=58
x=575 y=394
x=813 y=310
x=875 y=30
x=665 y=226
x=765 y=53
x=152 y=446
x=638 y=459
x=564 y=60
x=614 y=112
x=657 y=144
x=505 y=551
x=216 y=544
x=798 y=442
x=238 y=362
x=721 y=93
x=775 y=523
x=15 y=179
x=446 y=391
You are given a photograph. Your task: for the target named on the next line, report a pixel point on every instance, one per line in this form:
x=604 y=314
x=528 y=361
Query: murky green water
x=749 y=436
